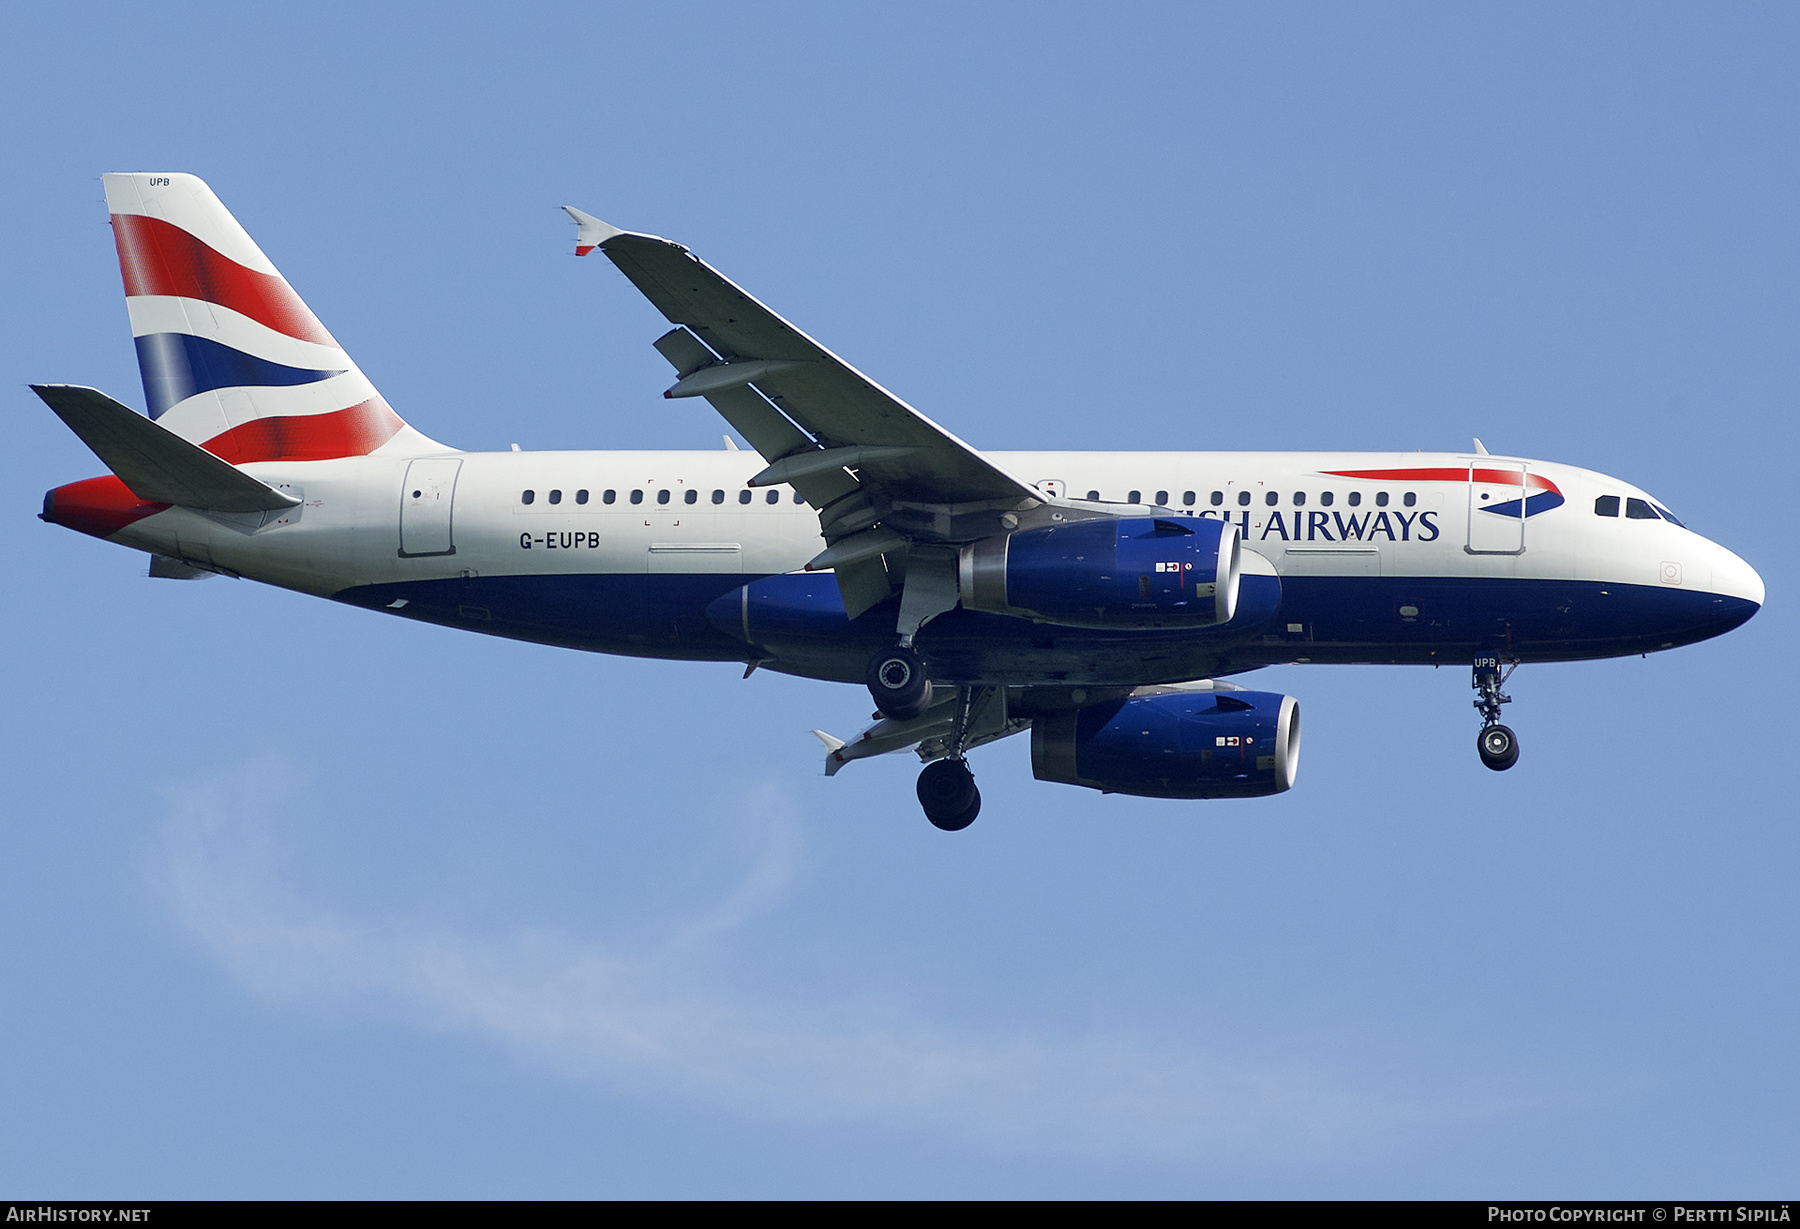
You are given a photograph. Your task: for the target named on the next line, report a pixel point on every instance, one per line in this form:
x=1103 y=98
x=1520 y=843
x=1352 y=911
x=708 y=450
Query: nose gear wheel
x=1497 y=745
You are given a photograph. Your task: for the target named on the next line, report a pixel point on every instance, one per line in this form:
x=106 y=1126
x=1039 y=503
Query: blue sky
x=299 y=901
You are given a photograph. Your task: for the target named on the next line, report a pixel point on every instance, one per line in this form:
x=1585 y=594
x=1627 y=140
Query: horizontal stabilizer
x=153 y=461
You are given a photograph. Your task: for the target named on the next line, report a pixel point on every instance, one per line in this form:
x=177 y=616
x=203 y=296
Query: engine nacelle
x=1136 y=572
x=1173 y=744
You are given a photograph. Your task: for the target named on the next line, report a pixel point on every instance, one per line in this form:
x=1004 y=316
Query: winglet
x=590 y=231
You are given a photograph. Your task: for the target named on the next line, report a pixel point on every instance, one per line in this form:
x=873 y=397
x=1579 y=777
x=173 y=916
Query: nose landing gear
x=1497 y=745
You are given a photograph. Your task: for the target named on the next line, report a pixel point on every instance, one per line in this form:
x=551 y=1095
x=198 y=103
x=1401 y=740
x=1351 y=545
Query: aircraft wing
x=824 y=426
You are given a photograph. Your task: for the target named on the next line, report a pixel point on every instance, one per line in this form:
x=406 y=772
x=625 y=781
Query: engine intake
x=1173 y=744
x=1126 y=572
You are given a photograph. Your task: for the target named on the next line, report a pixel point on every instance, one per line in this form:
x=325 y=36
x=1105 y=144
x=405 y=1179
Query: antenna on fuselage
x=1480 y=447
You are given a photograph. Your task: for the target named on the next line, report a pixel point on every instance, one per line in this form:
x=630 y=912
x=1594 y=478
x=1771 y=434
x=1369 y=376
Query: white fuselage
x=683 y=512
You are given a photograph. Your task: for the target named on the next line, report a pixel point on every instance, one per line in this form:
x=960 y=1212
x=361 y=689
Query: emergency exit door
x=426 y=501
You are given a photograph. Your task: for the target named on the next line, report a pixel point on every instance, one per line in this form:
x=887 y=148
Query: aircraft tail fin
x=232 y=359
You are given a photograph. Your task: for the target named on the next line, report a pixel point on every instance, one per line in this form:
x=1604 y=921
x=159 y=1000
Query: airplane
x=1101 y=601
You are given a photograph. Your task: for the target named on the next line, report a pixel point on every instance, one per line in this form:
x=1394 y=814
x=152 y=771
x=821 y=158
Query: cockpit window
x=1639 y=510
x=1606 y=505
x=1667 y=515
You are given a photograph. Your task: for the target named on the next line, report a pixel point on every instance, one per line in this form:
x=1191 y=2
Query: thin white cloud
x=656 y=1018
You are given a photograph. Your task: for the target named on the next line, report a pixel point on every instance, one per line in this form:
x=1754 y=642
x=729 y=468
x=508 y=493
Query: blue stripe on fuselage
x=799 y=620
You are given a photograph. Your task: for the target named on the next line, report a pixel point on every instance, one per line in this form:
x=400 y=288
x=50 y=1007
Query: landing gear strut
x=1497 y=745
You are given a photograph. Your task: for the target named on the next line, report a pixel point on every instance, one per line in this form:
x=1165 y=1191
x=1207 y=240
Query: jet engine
x=1132 y=572
x=1173 y=743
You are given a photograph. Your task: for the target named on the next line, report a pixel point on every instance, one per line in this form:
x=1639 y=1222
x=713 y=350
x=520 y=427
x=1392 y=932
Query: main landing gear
x=902 y=691
x=948 y=794
x=1497 y=745
x=897 y=684
x=947 y=786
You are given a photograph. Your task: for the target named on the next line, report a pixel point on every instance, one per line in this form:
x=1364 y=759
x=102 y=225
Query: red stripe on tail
x=159 y=258
x=354 y=432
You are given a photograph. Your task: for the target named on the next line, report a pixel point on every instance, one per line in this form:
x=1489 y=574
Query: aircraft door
x=425 y=506
x=1496 y=508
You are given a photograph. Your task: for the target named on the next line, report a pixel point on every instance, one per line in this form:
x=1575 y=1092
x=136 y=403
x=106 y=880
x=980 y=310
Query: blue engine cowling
x=1173 y=744
x=1127 y=572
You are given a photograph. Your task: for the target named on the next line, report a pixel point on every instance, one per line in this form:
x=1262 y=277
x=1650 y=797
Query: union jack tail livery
x=232 y=359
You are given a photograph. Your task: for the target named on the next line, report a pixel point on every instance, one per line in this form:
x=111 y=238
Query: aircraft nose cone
x=1734 y=578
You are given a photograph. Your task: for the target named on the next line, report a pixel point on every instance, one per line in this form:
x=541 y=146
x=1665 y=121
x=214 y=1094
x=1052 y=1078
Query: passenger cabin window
x=774 y=496
x=1355 y=499
x=1606 y=505
x=1218 y=497
x=556 y=497
x=1409 y=499
x=1299 y=499
x=1325 y=498
x=693 y=496
x=662 y=496
x=1162 y=499
x=1094 y=497
x=1243 y=499
x=799 y=498
x=637 y=497
x=526 y=497
x=1271 y=499
x=1638 y=510
x=744 y=497
x=608 y=495
x=1187 y=499
x=718 y=497
x=1132 y=497
x=581 y=496
x=1381 y=498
